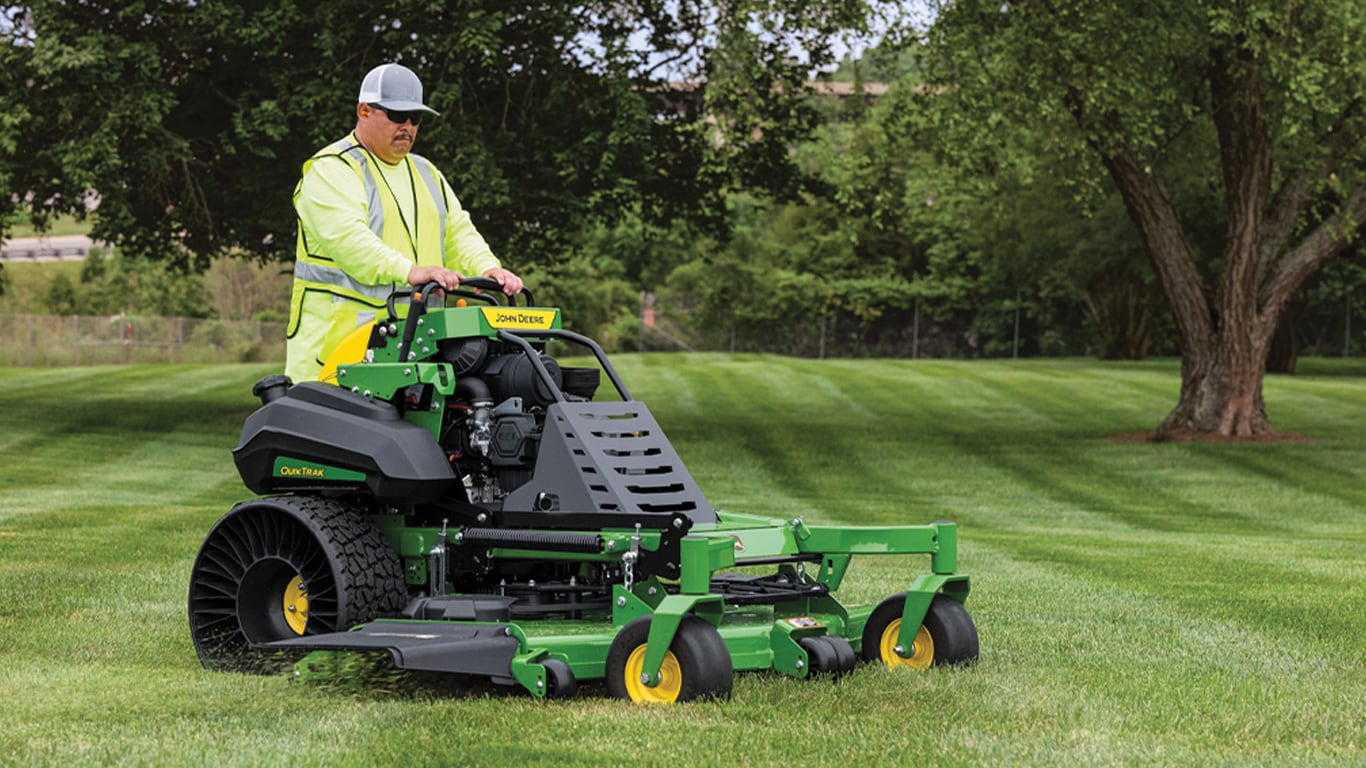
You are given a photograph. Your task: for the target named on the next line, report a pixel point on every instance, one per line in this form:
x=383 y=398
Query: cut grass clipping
x=1138 y=603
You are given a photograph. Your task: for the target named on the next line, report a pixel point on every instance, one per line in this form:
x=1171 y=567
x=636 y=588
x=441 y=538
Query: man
x=373 y=217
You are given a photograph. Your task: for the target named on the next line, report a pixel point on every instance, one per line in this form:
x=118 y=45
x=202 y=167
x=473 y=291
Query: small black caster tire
x=844 y=651
x=822 y=658
x=559 y=680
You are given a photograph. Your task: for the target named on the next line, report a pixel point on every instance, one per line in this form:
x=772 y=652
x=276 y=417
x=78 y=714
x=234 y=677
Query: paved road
x=61 y=247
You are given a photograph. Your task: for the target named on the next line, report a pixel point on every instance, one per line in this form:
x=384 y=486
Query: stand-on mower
x=459 y=499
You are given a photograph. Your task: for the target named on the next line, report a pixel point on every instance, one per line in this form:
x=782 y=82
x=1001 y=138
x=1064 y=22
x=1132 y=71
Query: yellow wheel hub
x=670 y=678
x=922 y=655
x=296 y=605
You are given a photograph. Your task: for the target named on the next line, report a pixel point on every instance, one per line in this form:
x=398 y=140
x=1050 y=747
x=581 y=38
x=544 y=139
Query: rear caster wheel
x=847 y=658
x=829 y=655
x=559 y=680
x=282 y=567
x=947 y=636
x=697 y=664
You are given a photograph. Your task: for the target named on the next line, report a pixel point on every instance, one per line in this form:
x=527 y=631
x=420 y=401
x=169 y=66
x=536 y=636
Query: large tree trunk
x=1221 y=389
x=1223 y=341
x=1221 y=380
x=1226 y=329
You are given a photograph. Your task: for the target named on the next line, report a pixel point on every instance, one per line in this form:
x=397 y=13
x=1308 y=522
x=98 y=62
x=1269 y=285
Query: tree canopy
x=189 y=121
x=1233 y=133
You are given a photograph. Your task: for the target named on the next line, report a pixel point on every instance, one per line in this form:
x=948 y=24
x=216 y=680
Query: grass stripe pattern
x=1138 y=603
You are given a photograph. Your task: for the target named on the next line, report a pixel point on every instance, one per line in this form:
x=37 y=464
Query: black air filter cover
x=514 y=375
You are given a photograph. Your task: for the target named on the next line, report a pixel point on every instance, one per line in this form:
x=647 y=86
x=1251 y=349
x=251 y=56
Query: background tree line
x=1037 y=178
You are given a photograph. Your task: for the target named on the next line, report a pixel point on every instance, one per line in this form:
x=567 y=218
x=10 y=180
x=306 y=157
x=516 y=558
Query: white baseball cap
x=393 y=86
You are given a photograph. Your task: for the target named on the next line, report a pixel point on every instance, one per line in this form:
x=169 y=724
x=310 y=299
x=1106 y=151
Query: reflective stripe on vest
x=424 y=172
x=312 y=270
x=335 y=277
x=373 y=204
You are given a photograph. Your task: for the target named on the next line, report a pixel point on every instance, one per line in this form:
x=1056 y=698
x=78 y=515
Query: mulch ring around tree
x=1191 y=436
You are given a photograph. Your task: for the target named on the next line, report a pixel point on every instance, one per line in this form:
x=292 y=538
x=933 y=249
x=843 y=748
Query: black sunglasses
x=398 y=117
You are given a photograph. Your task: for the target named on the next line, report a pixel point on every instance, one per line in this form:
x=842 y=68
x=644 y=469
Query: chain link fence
x=53 y=340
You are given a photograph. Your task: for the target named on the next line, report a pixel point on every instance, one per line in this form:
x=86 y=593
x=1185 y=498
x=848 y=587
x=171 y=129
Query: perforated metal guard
x=609 y=457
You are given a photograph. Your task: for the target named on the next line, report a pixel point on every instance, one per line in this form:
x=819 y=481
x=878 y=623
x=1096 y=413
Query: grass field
x=1137 y=603
x=62 y=225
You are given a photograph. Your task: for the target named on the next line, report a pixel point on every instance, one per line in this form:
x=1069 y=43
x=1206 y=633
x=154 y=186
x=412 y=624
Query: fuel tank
x=319 y=437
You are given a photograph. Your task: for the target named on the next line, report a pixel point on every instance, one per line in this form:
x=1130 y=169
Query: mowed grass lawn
x=1137 y=603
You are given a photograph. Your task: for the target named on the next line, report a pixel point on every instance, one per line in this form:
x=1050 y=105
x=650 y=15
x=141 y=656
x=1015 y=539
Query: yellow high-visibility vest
x=327 y=304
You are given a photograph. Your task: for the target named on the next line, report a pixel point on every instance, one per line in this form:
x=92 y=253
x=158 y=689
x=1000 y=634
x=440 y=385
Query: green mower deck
x=460 y=500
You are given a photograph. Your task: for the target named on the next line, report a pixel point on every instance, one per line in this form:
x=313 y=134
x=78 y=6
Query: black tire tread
x=822 y=658
x=703 y=659
x=559 y=680
x=355 y=575
x=948 y=622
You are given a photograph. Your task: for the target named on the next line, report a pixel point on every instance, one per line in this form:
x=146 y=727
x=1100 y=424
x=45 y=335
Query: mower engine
x=492 y=430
